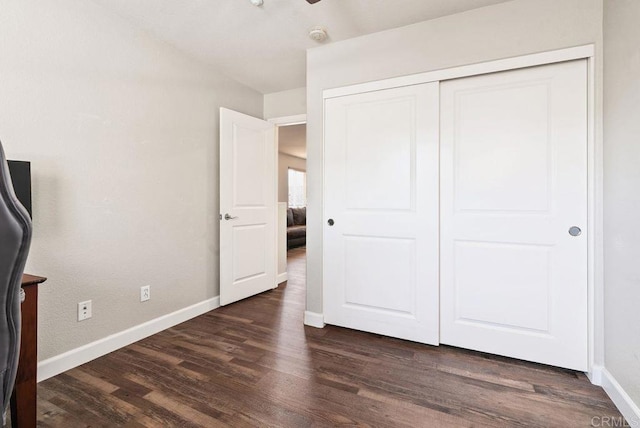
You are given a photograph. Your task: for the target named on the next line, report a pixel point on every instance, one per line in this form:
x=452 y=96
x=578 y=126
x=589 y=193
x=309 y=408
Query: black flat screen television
x=21 y=177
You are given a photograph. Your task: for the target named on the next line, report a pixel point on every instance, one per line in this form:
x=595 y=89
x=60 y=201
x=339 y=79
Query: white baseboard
x=313 y=319
x=76 y=357
x=620 y=398
x=595 y=375
x=282 y=277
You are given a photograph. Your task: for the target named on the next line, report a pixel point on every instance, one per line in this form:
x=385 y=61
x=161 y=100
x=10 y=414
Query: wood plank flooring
x=253 y=363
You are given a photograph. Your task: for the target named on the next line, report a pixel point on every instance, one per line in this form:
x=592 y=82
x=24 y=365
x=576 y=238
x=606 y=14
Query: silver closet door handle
x=228 y=217
x=575 y=231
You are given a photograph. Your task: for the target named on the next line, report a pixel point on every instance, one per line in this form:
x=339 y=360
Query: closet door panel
x=513 y=184
x=381 y=198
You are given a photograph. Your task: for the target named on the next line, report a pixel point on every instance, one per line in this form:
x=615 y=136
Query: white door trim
x=312 y=319
x=543 y=58
x=595 y=218
x=297 y=119
x=595 y=167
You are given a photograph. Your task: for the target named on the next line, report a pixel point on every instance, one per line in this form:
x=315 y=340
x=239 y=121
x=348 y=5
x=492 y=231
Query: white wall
x=622 y=194
x=122 y=132
x=286 y=103
x=284 y=163
x=504 y=30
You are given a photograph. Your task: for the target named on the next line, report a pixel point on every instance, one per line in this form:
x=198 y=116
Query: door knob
x=575 y=231
x=330 y=222
x=228 y=217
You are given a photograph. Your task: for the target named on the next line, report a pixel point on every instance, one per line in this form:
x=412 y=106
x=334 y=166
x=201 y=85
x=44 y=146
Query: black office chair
x=15 y=238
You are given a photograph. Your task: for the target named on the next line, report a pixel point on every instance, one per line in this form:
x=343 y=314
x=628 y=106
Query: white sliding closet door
x=381 y=196
x=513 y=187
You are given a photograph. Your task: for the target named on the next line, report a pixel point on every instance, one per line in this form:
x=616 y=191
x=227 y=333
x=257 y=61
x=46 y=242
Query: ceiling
x=264 y=47
x=292 y=140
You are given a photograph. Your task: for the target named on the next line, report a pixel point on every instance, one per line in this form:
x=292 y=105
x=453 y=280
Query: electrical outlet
x=145 y=293
x=84 y=310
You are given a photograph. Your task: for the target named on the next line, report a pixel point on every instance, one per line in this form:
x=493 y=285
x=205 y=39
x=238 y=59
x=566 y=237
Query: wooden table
x=24 y=397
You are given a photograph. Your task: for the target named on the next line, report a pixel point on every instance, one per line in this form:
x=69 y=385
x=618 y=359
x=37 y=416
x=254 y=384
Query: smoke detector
x=257 y=2
x=318 y=34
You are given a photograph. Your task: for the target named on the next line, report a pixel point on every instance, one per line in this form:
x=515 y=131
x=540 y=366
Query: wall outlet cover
x=84 y=310
x=145 y=293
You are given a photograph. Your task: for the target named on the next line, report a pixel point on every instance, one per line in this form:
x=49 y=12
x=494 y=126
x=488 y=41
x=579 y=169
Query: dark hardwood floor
x=253 y=363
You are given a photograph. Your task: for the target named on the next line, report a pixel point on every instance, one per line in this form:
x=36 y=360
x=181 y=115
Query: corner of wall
x=620 y=398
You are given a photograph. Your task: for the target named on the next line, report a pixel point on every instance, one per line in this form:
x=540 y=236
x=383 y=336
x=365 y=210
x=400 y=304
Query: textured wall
x=285 y=103
x=622 y=197
x=122 y=131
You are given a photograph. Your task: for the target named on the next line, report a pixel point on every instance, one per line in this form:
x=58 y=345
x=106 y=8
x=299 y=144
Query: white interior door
x=247 y=206
x=381 y=193
x=513 y=182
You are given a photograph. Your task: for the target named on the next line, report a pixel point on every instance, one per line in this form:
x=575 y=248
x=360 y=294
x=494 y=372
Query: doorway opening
x=292 y=201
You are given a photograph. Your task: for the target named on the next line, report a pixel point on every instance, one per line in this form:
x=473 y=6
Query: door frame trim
x=297 y=119
x=532 y=60
x=595 y=166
